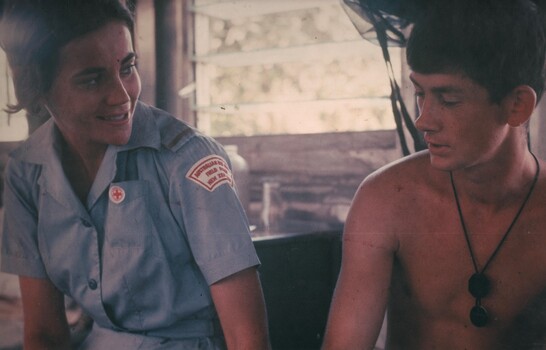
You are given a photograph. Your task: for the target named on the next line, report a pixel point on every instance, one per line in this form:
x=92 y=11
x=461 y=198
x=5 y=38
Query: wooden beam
x=322 y=51
x=145 y=46
x=232 y=9
x=168 y=40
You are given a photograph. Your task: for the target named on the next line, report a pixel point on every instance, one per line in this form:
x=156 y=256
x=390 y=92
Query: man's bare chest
x=434 y=265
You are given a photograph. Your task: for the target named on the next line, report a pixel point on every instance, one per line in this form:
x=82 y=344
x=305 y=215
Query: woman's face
x=95 y=90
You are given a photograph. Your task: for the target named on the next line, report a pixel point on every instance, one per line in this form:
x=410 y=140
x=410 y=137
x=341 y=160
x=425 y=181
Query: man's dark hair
x=33 y=32
x=499 y=44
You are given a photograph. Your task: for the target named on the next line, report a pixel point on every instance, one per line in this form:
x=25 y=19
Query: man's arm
x=45 y=324
x=241 y=308
x=360 y=299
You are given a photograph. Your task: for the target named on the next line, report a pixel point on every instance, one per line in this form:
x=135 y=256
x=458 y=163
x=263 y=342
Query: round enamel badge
x=117 y=194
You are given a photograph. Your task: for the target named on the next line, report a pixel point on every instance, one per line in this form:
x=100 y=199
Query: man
x=452 y=241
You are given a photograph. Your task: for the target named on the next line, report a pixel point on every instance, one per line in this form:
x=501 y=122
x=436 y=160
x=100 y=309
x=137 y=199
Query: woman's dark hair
x=498 y=44
x=33 y=32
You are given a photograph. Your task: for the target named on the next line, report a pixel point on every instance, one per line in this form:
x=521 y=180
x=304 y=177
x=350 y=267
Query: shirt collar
x=145 y=131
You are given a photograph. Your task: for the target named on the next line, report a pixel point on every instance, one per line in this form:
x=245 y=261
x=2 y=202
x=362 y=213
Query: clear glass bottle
x=241 y=174
x=272 y=206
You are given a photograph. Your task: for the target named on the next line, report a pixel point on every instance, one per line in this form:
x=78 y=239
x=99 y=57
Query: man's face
x=461 y=126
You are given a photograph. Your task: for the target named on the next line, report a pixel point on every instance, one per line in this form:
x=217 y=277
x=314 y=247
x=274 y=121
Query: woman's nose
x=117 y=93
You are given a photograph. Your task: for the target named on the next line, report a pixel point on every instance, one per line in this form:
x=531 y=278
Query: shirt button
x=92 y=284
x=86 y=223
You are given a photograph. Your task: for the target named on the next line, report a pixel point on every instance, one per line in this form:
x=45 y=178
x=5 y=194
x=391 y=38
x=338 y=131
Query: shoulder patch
x=210 y=172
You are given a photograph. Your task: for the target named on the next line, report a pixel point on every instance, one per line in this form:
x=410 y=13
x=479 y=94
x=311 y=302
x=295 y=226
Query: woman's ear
x=519 y=104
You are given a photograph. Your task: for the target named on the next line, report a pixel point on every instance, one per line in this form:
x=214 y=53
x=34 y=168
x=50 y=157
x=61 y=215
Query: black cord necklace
x=478 y=284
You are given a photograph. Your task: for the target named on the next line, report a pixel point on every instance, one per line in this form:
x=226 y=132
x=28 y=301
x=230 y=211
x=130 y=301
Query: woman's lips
x=117 y=119
x=114 y=117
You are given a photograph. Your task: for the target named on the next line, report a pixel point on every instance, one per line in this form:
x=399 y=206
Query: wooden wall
x=318 y=173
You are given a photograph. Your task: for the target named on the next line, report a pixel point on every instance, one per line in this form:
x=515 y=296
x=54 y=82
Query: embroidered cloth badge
x=117 y=194
x=210 y=172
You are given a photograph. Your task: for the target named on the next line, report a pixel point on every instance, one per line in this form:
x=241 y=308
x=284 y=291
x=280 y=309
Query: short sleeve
x=19 y=245
x=214 y=220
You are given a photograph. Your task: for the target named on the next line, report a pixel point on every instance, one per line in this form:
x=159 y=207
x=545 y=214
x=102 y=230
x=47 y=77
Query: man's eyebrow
x=447 y=89
x=439 y=89
x=97 y=70
x=414 y=81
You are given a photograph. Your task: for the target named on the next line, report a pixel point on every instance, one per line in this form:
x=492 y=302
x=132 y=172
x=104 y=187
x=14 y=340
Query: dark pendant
x=479 y=285
x=478 y=316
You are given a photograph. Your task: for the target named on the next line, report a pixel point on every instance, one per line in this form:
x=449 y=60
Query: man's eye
x=449 y=102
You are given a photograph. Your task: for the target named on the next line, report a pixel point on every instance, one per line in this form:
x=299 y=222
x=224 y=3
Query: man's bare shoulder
x=397 y=195
x=401 y=178
x=541 y=183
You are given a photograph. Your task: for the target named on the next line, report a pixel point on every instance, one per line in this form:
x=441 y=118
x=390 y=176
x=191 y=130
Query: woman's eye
x=128 y=70
x=89 y=83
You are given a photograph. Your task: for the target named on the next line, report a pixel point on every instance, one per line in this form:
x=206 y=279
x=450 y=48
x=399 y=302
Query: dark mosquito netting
x=386 y=23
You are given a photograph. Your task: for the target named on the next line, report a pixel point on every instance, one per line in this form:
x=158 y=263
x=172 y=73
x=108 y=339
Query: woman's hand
x=45 y=324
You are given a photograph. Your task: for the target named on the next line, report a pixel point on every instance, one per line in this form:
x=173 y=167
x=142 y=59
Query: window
x=287 y=67
x=13 y=127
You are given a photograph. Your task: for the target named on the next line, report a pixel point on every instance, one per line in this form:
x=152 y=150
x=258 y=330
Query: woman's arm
x=241 y=308
x=45 y=324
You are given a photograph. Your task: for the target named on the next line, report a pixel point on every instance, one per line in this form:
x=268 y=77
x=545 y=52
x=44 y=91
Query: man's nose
x=426 y=121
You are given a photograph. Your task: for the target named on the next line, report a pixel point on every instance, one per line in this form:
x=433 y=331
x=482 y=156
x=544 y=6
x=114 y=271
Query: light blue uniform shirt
x=161 y=223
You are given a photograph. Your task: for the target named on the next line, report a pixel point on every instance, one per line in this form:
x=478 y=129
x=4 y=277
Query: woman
x=116 y=204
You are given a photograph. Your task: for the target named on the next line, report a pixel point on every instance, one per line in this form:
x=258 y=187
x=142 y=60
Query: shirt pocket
x=136 y=261
x=127 y=241
x=128 y=225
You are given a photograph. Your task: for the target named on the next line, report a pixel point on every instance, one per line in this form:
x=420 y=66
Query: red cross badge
x=117 y=194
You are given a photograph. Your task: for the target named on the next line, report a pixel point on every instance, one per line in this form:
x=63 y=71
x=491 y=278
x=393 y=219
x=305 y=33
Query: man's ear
x=519 y=104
